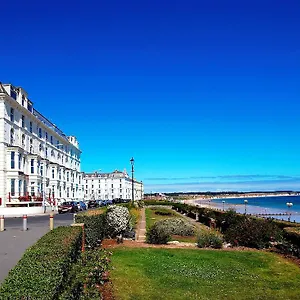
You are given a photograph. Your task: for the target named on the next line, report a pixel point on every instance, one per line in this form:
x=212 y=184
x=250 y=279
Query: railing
x=49 y=124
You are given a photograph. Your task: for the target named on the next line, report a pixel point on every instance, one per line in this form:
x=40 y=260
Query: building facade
x=37 y=160
x=109 y=186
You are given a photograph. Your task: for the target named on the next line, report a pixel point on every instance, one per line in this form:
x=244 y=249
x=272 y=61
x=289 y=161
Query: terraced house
x=38 y=162
x=109 y=186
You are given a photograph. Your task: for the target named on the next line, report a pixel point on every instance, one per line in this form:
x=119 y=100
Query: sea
x=276 y=205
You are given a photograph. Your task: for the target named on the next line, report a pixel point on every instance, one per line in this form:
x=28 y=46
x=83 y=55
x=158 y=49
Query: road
x=14 y=241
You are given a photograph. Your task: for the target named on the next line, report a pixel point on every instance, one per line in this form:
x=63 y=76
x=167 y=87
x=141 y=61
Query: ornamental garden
x=188 y=253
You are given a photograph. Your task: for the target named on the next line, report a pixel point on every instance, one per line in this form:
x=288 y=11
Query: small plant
x=158 y=234
x=210 y=239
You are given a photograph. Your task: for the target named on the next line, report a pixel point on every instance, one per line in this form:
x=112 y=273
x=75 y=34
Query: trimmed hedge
x=158 y=202
x=41 y=272
x=94 y=227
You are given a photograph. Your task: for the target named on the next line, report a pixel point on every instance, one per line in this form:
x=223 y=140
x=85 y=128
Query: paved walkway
x=141 y=237
x=13 y=243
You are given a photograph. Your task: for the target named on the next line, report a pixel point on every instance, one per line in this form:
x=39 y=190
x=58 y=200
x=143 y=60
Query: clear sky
x=203 y=94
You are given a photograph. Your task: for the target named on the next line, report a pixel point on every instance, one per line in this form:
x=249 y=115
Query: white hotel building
x=36 y=158
x=109 y=186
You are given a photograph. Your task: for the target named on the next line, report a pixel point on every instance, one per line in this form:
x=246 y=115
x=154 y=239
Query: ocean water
x=263 y=205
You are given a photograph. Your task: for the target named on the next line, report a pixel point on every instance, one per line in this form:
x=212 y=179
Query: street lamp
x=223 y=204
x=246 y=202
x=289 y=205
x=132 y=171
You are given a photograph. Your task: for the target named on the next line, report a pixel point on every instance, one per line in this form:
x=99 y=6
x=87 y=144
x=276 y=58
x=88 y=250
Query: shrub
x=117 y=220
x=209 y=238
x=253 y=233
x=161 y=231
x=177 y=226
x=87 y=275
x=41 y=272
x=157 y=235
x=163 y=212
x=95 y=227
x=158 y=202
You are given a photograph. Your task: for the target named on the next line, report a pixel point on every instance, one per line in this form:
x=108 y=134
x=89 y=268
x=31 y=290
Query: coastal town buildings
x=109 y=186
x=38 y=162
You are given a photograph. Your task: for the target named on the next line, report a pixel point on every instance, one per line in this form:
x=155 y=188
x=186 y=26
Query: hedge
x=41 y=272
x=95 y=227
x=158 y=202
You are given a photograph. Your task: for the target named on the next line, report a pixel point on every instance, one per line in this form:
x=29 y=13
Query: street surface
x=14 y=241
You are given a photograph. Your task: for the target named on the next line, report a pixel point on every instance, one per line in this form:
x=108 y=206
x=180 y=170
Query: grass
x=152 y=217
x=148 y=273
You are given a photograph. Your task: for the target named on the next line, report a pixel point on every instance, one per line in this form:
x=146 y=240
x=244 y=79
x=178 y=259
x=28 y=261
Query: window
x=40 y=148
x=52 y=173
x=32 y=191
x=31 y=147
x=12 y=160
x=32 y=166
x=120 y=190
x=112 y=186
x=30 y=126
x=23 y=100
x=23 y=140
x=40 y=132
x=120 y=186
x=12 y=136
x=12 y=114
x=42 y=170
x=46 y=152
x=23 y=121
x=92 y=186
x=20 y=161
x=20 y=185
x=52 y=153
x=68 y=192
x=12 y=187
x=46 y=134
x=67 y=176
x=51 y=140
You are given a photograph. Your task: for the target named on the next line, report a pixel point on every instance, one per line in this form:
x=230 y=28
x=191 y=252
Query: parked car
x=69 y=206
x=93 y=204
x=81 y=205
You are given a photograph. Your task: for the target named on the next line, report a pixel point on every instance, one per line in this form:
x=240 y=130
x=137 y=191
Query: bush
x=163 y=212
x=210 y=239
x=41 y=272
x=117 y=220
x=87 y=275
x=177 y=226
x=157 y=235
x=158 y=202
x=95 y=227
x=161 y=231
x=253 y=233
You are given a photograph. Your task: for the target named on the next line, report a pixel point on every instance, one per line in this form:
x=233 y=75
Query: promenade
x=14 y=241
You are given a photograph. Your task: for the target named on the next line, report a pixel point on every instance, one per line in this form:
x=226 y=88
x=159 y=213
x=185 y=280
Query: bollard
x=2 y=223
x=74 y=218
x=51 y=223
x=25 y=222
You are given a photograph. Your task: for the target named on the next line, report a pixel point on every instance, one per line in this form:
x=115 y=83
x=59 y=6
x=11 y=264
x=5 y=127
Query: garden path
x=141 y=236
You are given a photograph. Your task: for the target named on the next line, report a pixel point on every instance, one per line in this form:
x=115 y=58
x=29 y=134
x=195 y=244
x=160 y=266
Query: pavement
x=14 y=241
x=141 y=236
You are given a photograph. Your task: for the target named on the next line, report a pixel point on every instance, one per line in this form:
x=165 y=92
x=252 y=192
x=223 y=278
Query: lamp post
x=246 y=202
x=289 y=205
x=132 y=171
x=223 y=204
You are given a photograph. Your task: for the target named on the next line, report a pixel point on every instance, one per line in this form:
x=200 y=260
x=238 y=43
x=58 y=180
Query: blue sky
x=196 y=92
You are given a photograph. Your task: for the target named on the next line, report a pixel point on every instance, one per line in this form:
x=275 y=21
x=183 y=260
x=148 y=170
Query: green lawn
x=152 y=217
x=148 y=273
